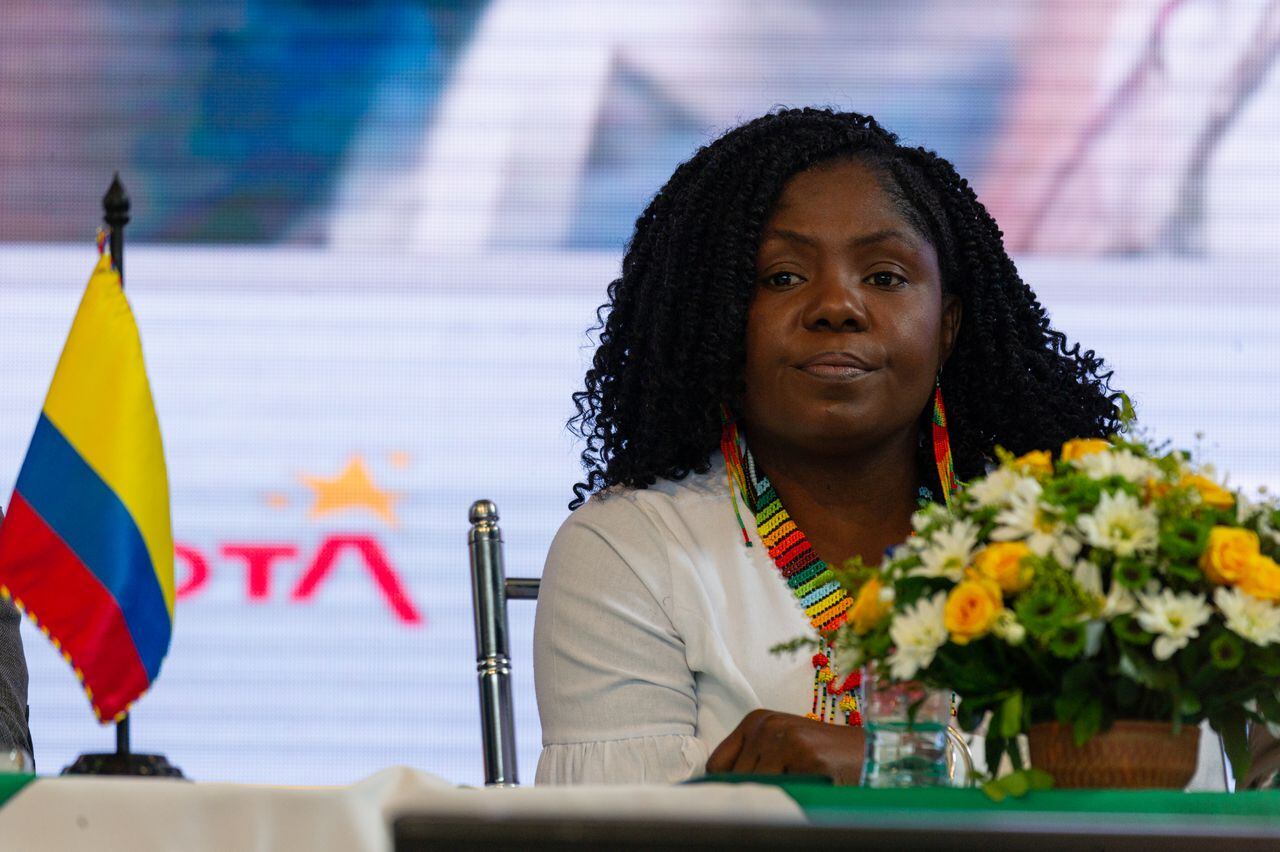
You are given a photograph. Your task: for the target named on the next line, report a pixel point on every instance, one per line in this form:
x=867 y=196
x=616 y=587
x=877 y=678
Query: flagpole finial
x=115 y=204
x=115 y=212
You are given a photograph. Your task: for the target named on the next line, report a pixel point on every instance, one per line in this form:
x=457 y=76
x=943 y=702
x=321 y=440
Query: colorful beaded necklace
x=824 y=601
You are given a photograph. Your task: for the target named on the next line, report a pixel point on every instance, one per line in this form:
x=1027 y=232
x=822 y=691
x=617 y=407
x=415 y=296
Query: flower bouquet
x=1115 y=581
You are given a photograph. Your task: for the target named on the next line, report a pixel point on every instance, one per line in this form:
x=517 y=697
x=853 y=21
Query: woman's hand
x=767 y=742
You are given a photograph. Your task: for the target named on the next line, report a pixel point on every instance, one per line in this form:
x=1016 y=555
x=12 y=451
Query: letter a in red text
x=377 y=563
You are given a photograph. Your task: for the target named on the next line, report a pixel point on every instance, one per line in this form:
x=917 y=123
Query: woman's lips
x=834 y=372
x=835 y=366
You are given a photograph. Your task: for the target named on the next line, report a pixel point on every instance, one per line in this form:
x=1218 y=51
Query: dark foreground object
x=423 y=833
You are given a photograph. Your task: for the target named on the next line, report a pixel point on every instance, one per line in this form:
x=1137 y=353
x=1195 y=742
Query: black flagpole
x=115 y=212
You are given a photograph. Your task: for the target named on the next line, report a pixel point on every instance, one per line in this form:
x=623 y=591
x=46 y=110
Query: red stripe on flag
x=66 y=599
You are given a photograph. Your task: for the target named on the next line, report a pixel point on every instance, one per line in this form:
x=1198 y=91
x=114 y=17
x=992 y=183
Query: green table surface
x=827 y=804
x=10 y=784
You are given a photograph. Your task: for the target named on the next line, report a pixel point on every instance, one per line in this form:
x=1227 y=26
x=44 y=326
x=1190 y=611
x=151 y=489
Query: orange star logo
x=354 y=488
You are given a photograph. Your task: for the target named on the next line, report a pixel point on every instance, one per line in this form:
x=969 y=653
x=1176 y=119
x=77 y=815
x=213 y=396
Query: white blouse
x=653 y=632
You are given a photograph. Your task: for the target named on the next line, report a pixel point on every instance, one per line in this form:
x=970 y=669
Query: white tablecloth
x=107 y=814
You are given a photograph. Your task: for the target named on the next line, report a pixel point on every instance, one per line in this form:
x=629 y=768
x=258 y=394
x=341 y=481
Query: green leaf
x=1125 y=413
x=994 y=791
x=1269 y=705
x=1038 y=779
x=1268 y=660
x=1016 y=784
x=1011 y=716
x=994 y=748
x=1088 y=722
x=1234 y=739
x=1015 y=755
x=1139 y=670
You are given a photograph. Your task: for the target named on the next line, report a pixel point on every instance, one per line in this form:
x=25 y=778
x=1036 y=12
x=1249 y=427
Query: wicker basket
x=1132 y=754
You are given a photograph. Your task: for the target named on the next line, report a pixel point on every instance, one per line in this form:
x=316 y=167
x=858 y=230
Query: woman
x=793 y=307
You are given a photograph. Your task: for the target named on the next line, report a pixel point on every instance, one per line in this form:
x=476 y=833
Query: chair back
x=490 y=589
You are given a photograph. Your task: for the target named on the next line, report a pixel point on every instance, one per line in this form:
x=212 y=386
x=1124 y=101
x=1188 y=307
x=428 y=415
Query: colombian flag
x=86 y=549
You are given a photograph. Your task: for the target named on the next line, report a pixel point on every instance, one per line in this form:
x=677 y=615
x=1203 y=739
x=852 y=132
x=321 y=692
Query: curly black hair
x=671 y=335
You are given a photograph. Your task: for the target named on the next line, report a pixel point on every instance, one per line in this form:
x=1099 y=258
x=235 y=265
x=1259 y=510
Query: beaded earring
x=942 y=446
x=730 y=448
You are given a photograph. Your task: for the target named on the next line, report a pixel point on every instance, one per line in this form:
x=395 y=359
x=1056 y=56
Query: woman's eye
x=891 y=280
x=783 y=279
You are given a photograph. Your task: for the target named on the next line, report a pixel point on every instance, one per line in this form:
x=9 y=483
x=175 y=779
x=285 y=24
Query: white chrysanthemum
x=1246 y=509
x=1250 y=512
x=948 y=552
x=928 y=516
x=1248 y=617
x=1120 y=601
x=998 y=487
x=1027 y=520
x=848 y=654
x=1120 y=463
x=917 y=634
x=902 y=551
x=1120 y=525
x=1089 y=577
x=1093 y=630
x=1175 y=619
x=1008 y=628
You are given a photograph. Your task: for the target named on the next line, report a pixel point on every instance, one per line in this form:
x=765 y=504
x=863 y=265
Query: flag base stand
x=122 y=761
x=114 y=763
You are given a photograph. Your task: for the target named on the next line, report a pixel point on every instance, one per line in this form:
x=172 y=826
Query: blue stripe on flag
x=79 y=506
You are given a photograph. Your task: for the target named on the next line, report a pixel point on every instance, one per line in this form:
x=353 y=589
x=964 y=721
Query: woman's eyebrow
x=907 y=238
x=789 y=235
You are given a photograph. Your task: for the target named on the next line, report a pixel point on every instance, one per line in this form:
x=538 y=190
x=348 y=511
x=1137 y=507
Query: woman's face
x=848 y=327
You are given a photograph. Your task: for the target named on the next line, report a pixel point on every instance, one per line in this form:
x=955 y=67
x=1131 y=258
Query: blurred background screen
x=369 y=239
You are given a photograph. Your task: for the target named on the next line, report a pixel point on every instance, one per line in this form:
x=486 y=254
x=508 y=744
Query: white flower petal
x=1254 y=620
x=1121 y=525
x=1176 y=619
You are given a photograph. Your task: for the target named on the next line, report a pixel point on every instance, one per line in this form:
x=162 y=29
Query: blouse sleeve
x=615 y=692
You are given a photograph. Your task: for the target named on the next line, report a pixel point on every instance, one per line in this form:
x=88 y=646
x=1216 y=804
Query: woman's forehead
x=848 y=195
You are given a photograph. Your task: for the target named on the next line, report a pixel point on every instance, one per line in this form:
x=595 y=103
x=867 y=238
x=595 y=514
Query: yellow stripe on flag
x=100 y=401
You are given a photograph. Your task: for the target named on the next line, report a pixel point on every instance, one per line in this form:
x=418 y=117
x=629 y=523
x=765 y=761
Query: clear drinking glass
x=906 y=734
x=16 y=761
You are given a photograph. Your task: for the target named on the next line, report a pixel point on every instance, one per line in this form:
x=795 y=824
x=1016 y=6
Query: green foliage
x=1017 y=784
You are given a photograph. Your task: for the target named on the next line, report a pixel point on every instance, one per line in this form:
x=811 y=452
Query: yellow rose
x=1211 y=492
x=971 y=610
x=1227 y=554
x=1035 y=462
x=868 y=608
x=1080 y=447
x=1003 y=563
x=1261 y=578
x=1155 y=489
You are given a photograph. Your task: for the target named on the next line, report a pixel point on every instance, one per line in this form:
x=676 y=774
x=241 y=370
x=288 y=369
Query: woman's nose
x=837 y=303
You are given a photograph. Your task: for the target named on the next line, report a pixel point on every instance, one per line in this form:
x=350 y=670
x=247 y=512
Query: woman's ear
x=952 y=308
